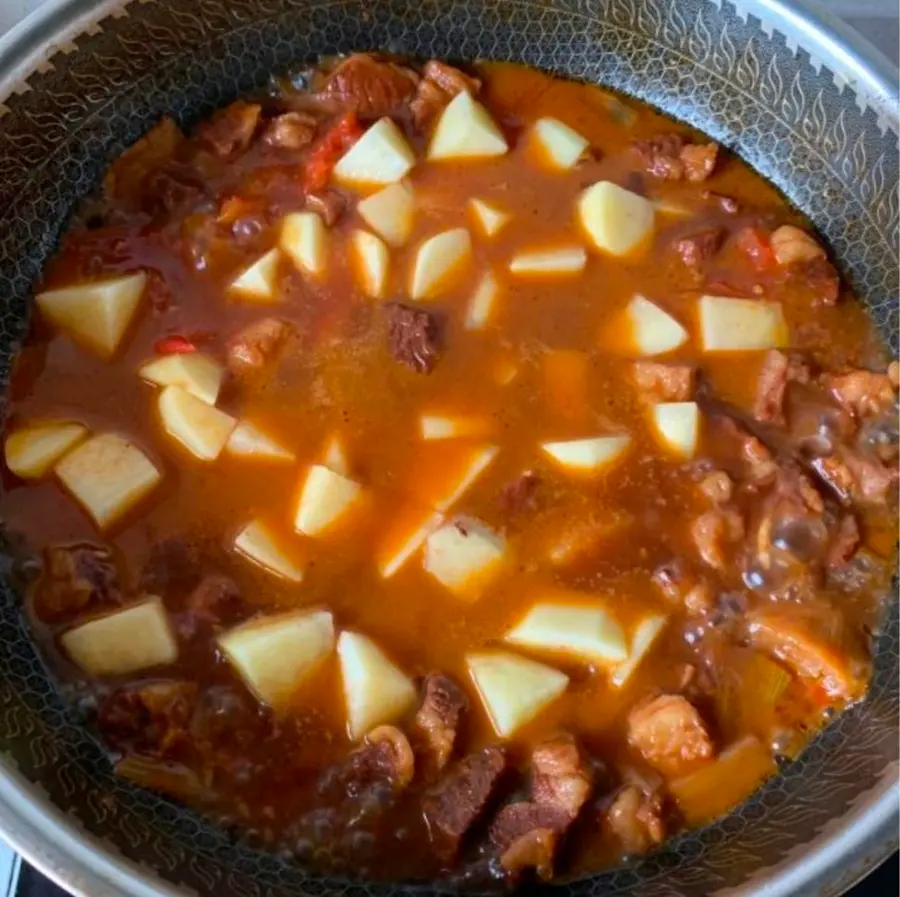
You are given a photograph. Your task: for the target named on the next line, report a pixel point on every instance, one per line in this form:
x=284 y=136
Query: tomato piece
x=174 y=345
x=754 y=243
x=335 y=142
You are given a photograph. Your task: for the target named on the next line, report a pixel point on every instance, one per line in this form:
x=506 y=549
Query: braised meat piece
x=520 y=495
x=370 y=86
x=437 y=720
x=230 y=130
x=290 y=131
x=659 y=382
x=561 y=776
x=713 y=530
x=670 y=157
x=669 y=734
x=328 y=204
x=791 y=244
x=636 y=820
x=698 y=248
x=458 y=801
x=216 y=601
x=413 y=337
x=440 y=83
x=777 y=370
x=77 y=578
x=386 y=756
x=862 y=393
x=257 y=345
x=526 y=835
x=844 y=543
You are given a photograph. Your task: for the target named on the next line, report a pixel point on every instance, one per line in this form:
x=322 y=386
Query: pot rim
x=58 y=846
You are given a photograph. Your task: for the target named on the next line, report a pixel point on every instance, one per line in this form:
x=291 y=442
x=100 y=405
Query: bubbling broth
x=440 y=473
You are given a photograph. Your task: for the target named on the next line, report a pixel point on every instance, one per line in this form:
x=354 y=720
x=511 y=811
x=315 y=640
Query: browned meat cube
x=526 y=835
x=862 y=393
x=371 y=87
x=290 y=131
x=712 y=530
x=215 y=601
x=635 y=818
x=257 y=345
x=699 y=160
x=413 y=337
x=669 y=734
x=659 y=382
x=844 y=542
x=520 y=495
x=561 y=776
x=386 y=755
x=437 y=720
x=670 y=157
x=328 y=204
x=698 y=248
x=453 y=805
x=77 y=578
x=231 y=129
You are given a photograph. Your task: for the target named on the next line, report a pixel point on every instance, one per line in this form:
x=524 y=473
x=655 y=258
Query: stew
x=439 y=473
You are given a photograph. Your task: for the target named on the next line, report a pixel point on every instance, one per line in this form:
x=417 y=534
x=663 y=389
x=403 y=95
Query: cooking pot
x=780 y=82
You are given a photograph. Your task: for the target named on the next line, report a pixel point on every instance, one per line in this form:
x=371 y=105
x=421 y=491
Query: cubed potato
x=645 y=634
x=200 y=428
x=673 y=208
x=370 y=259
x=334 y=455
x=652 y=330
x=560 y=261
x=737 y=325
x=260 y=544
x=390 y=213
x=404 y=535
x=274 y=655
x=559 y=145
x=325 y=499
x=490 y=218
x=32 y=450
x=439 y=259
x=95 y=314
x=587 y=455
x=108 y=476
x=124 y=641
x=195 y=373
x=678 y=426
x=381 y=156
x=466 y=130
x=249 y=442
x=464 y=556
x=483 y=304
x=304 y=238
x=512 y=689
x=585 y=632
x=375 y=690
x=453 y=426
x=444 y=471
x=504 y=370
x=616 y=220
x=258 y=283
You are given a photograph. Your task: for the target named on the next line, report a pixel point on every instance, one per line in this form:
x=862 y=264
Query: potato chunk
x=200 y=428
x=32 y=450
x=371 y=260
x=248 y=441
x=438 y=260
x=587 y=455
x=127 y=640
x=483 y=304
x=390 y=213
x=490 y=219
x=616 y=220
x=195 y=373
x=273 y=655
x=381 y=156
x=587 y=632
x=735 y=325
x=325 y=499
x=464 y=556
x=466 y=130
x=304 y=238
x=444 y=470
x=334 y=455
x=642 y=639
x=258 y=283
x=445 y=426
x=559 y=145
x=375 y=690
x=95 y=314
x=548 y=262
x=108 y=476
x=405 y=534
x=652 y=330
x=512 y=689
x=678 y=426
x=257 y=542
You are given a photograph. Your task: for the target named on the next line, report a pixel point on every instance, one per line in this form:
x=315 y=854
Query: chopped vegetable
x=258 y=282
x=466 y=130
x=438 y=260
x=559 y=145
x=490 y=219
x=32 y=450
x=248 y=441
x=336 y=141
x=258 y=542
x=616 y=220
x=653 y=331
x=678 y=426
x=732 y=325
x=546 y=262
x=325 y=499
x=380 y=156
x=465 y=556
x=200 y=428
x=371 y=260
x=390 y=213
x=587 y=455
x=194 y=372
x=304 y=238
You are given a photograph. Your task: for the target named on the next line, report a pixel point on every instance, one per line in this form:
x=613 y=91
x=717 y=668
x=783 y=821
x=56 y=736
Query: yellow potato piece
x=108 y=476
x=560 y=146
x=376 y=691
x=304 y=239
x=652 y=330
x=258 y=283
x=371 y=261
x=334 y=455
x=134 y=638
x=645 y=634
x=326 y=497
x=437 y=260
x=483 y=304
x=464 y=556
x=200 y=428
x=587 y=455
x=678 y=426
x=274 y=655
x=95 y=314
x=248 y=441
x=466 y=130
x=616 y=220
x=404 y=536
x=381 y=156
x=32 y=450
x=196 y=373
x=538 y=262
x=449 y=426
x=390 y=213
x=740 y=325
x=490 y=219
x=257 y=542
x=512 y=689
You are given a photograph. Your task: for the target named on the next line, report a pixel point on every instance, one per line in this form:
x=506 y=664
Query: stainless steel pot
x=783 y=83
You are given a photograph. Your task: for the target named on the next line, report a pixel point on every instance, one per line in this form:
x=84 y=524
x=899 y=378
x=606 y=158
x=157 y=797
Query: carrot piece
x=754 y=243
x=335 y=142
x=174 y=345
